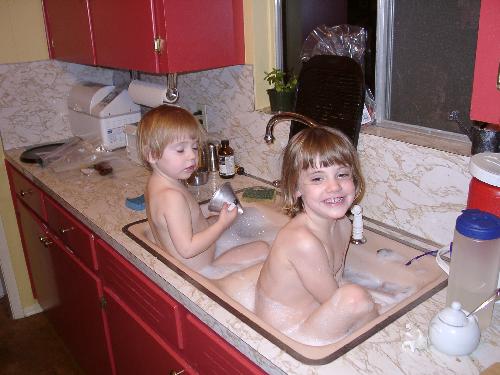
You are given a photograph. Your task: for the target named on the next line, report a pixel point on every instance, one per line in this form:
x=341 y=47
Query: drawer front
x=150 y=303
x=72 y=233
x=208 y=353
x=26 y=192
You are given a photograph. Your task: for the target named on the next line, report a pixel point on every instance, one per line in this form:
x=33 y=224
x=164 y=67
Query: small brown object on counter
x=104 y=168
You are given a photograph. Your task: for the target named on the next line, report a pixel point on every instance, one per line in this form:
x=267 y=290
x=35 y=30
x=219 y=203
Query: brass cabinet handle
x=45 y=240
x=23 y=193
x=65 y=230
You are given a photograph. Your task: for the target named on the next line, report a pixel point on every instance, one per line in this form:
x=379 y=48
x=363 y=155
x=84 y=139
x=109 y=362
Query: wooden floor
x=31 y=346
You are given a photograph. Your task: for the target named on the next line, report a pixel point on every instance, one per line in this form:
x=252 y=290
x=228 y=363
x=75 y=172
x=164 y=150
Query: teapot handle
x=441 y=263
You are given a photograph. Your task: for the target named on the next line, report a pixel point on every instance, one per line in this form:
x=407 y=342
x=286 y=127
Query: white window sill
x=432 y=138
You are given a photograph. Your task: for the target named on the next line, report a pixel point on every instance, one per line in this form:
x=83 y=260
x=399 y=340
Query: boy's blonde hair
x=312 y=145
x=163 y=125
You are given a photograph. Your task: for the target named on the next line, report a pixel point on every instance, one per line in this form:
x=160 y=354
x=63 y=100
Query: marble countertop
x=99 y=202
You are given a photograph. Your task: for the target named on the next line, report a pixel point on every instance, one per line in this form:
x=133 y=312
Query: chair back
x=331 y=91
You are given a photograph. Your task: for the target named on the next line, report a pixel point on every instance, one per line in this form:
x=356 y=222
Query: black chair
x=331 y=91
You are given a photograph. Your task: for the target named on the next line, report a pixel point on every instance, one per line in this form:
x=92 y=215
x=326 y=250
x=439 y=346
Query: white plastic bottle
x=475 y=262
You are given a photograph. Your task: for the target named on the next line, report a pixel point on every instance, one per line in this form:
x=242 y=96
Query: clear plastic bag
x=81 y=154
x=341 y=40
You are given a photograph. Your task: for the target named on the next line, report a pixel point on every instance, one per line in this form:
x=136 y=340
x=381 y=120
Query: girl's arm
x=308 y=257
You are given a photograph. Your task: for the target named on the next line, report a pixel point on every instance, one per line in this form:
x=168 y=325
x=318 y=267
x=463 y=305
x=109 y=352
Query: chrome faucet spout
x=286 y=116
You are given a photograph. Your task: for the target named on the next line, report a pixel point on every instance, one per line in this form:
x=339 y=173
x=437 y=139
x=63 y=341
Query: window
x=424 y=55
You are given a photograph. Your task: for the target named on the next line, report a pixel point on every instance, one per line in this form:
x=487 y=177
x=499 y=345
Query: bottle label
x=226 y=165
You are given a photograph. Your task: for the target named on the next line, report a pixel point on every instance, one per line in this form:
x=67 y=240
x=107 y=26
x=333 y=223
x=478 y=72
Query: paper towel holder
x=172 y=94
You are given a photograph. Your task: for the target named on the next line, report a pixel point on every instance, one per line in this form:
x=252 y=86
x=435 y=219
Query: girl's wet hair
x=163 y=125
x=315 y=148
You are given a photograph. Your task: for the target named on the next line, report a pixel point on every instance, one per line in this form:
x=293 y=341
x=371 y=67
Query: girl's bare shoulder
x=295 y=237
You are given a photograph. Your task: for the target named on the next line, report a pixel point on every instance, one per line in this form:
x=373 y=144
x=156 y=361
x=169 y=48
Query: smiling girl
x=298 y=289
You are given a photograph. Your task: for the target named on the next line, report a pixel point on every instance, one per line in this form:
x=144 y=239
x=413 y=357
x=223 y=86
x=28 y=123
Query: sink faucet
x=286 y=116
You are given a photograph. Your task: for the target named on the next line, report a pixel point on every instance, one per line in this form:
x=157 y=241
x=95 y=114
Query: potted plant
x=282 y=93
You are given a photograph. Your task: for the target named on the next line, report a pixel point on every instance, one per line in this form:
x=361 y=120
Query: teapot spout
x=455 y=117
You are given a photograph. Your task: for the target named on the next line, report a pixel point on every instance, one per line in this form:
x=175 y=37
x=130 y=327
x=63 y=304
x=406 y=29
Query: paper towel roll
x=147 y=93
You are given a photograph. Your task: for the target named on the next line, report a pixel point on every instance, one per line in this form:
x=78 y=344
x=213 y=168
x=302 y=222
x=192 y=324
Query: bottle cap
x=478 y=224
x=224 y=142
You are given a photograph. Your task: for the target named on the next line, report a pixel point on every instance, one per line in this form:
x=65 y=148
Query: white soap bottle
x=475 y=262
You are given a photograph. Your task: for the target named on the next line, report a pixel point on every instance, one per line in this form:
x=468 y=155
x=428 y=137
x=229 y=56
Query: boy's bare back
x=173 y=210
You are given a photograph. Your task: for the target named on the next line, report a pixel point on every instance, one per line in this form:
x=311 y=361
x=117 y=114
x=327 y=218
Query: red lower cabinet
x=38 y=258
x=151 y=333
x=77 y=315
x=111 y=317
x=137 y=349
x=208 y=353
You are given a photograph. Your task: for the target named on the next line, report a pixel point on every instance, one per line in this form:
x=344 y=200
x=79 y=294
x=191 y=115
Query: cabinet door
x=137 y=349
x=485 y=91
x=200 y=35
x=208 y=353
x=124 y=32
x=69 y=31
x=25 y=191
x=78 y=316
x=71 y=232
x=38 y=259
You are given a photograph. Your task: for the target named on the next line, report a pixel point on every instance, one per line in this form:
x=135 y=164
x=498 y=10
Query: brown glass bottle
x=226 y=160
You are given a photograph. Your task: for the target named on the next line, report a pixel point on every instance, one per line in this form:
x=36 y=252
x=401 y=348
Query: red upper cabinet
x=485 y=104
x=201 y=35
x=124 y=32
x=68 y=30
x=154 y=36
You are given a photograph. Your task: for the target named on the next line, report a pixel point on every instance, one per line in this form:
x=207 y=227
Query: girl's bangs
x=319 y=153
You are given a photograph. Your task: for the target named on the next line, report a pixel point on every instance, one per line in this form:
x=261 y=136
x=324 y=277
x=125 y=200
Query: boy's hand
x=226 y=216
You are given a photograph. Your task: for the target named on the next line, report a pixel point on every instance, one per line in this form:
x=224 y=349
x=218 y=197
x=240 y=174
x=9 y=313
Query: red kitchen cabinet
x=66 y=289
x=112 y=317
x=77 y=316
x=69 y=31
x=485 y=103
x=155 y=36
x=161 y=36
x=38 y=258
x=23 y=190
x=72 y=233
x=144 y=322
x=208 y=353
x=137 y=349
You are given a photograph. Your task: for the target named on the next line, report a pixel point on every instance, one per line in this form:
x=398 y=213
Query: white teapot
x=453 y=333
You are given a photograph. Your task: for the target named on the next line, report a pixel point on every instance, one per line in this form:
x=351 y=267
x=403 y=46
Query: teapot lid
x=453 y=316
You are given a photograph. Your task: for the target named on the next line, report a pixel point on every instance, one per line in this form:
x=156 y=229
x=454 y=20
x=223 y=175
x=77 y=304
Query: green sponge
x=258 y=194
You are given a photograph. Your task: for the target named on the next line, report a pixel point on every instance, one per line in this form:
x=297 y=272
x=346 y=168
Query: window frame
x=411 y=133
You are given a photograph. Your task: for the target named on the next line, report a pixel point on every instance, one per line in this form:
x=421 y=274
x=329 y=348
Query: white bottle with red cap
x=484 y=188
